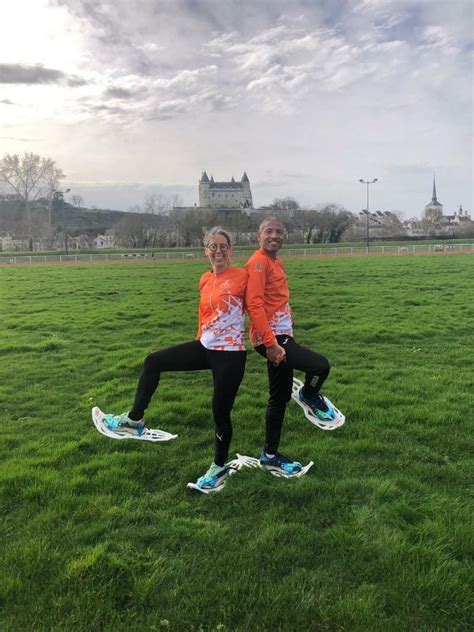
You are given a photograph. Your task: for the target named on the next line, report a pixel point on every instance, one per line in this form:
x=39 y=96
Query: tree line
x=33 y=205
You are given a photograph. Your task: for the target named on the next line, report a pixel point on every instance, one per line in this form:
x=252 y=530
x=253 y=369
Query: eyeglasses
x=222 y=247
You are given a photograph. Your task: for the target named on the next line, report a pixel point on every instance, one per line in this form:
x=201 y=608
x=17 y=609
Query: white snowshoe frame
x=329 y=424
x=149 y=434
x=250 y=461
x=235 y=465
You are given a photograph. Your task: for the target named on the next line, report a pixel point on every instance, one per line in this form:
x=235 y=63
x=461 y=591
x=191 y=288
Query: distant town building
x=18 y=243
x=225 y=195
x=414 y=228
x=104 y=241
x=461 y=217
x=444 y=224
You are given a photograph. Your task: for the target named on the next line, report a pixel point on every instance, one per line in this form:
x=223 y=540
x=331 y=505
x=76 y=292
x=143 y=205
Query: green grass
x=103 y=535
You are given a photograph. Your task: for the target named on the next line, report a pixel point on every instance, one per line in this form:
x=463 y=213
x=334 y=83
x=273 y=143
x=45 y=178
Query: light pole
x=59 y=196
x=368 y=182
x=64 y=220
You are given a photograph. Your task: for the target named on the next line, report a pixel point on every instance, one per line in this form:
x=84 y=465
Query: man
x=271 y=333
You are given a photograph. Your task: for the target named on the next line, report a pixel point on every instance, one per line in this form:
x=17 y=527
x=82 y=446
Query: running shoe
x=280 y=464
x=215 y=478
x=318 y=406
x=123 y=424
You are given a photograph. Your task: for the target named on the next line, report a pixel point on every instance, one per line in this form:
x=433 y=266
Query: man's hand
x=276 y=354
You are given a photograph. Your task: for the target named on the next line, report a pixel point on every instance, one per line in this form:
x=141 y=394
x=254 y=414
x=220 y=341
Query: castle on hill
x=225 y=195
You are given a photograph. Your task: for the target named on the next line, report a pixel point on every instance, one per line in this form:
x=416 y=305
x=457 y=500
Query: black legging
x=280 y=378
x=227 y=371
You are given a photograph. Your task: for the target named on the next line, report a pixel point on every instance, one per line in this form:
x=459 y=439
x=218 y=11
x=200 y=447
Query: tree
x=305 y=222
x=432 y=214
x=392 y=227
x=333 y=221
x=320 y=226
x=29 y=177
x=159 y=204
x=52 y=178
x=138 y=230
x=285 y=204
x=77 y=201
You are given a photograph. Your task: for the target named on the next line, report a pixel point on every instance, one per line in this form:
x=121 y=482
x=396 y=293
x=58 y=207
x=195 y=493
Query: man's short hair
x=271 y=219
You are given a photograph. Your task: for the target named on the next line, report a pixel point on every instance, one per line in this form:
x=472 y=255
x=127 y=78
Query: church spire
x=433 y=199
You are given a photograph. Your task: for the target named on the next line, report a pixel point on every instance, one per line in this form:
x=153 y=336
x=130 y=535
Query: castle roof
x=224 y=185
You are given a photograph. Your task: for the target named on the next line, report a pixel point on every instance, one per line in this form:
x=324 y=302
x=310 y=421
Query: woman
x=219 y=346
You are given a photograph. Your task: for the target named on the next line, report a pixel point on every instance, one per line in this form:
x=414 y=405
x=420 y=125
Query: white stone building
x=225 y=195
x=104 y=241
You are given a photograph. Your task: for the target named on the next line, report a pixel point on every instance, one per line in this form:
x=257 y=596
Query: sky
x=307 y=97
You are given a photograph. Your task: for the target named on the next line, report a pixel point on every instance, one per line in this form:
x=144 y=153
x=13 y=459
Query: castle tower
x=204 y=186
x=248 y=202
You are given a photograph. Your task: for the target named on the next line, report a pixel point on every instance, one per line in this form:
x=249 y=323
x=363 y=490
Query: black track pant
x=227 y=371
x=280 y=378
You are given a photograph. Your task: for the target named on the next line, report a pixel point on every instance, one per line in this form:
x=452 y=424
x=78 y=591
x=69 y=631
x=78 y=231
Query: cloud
x=149 y=47
x=33 y=75
x=119 y=93
x=210 y=101
x=187 y=79
x=156 y=97
x=439 y=39
x=349 y=87
x=19 y=73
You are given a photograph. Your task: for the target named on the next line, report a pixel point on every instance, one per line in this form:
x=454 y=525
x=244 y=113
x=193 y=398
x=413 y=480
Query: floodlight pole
x=367 y=182
x=64 y=220
x=60 y=195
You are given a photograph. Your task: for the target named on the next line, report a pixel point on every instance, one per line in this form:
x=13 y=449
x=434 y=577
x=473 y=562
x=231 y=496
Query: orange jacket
x=221 y=310
x=267 y=299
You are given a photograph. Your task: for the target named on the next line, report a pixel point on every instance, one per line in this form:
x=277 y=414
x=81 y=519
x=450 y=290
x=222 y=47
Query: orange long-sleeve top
x=221 y=324
x=267 y=299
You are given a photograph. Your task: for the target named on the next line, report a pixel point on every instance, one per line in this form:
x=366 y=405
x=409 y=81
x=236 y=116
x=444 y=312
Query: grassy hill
x=77 y=220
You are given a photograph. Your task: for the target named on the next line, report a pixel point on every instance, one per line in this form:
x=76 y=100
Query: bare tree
x=305 y=223
x=138 y=230
x=319 y=226
x=52 y=179
x=30 y=177
x=333 y=221
x=77 y=201
x=159 y=204
x=285 y=204
x=432 y=215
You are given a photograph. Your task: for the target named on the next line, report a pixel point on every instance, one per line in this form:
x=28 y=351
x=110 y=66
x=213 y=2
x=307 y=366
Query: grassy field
x=103 y=535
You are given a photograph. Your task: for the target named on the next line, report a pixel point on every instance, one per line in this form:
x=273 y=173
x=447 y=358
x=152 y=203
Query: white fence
x=312 y=251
